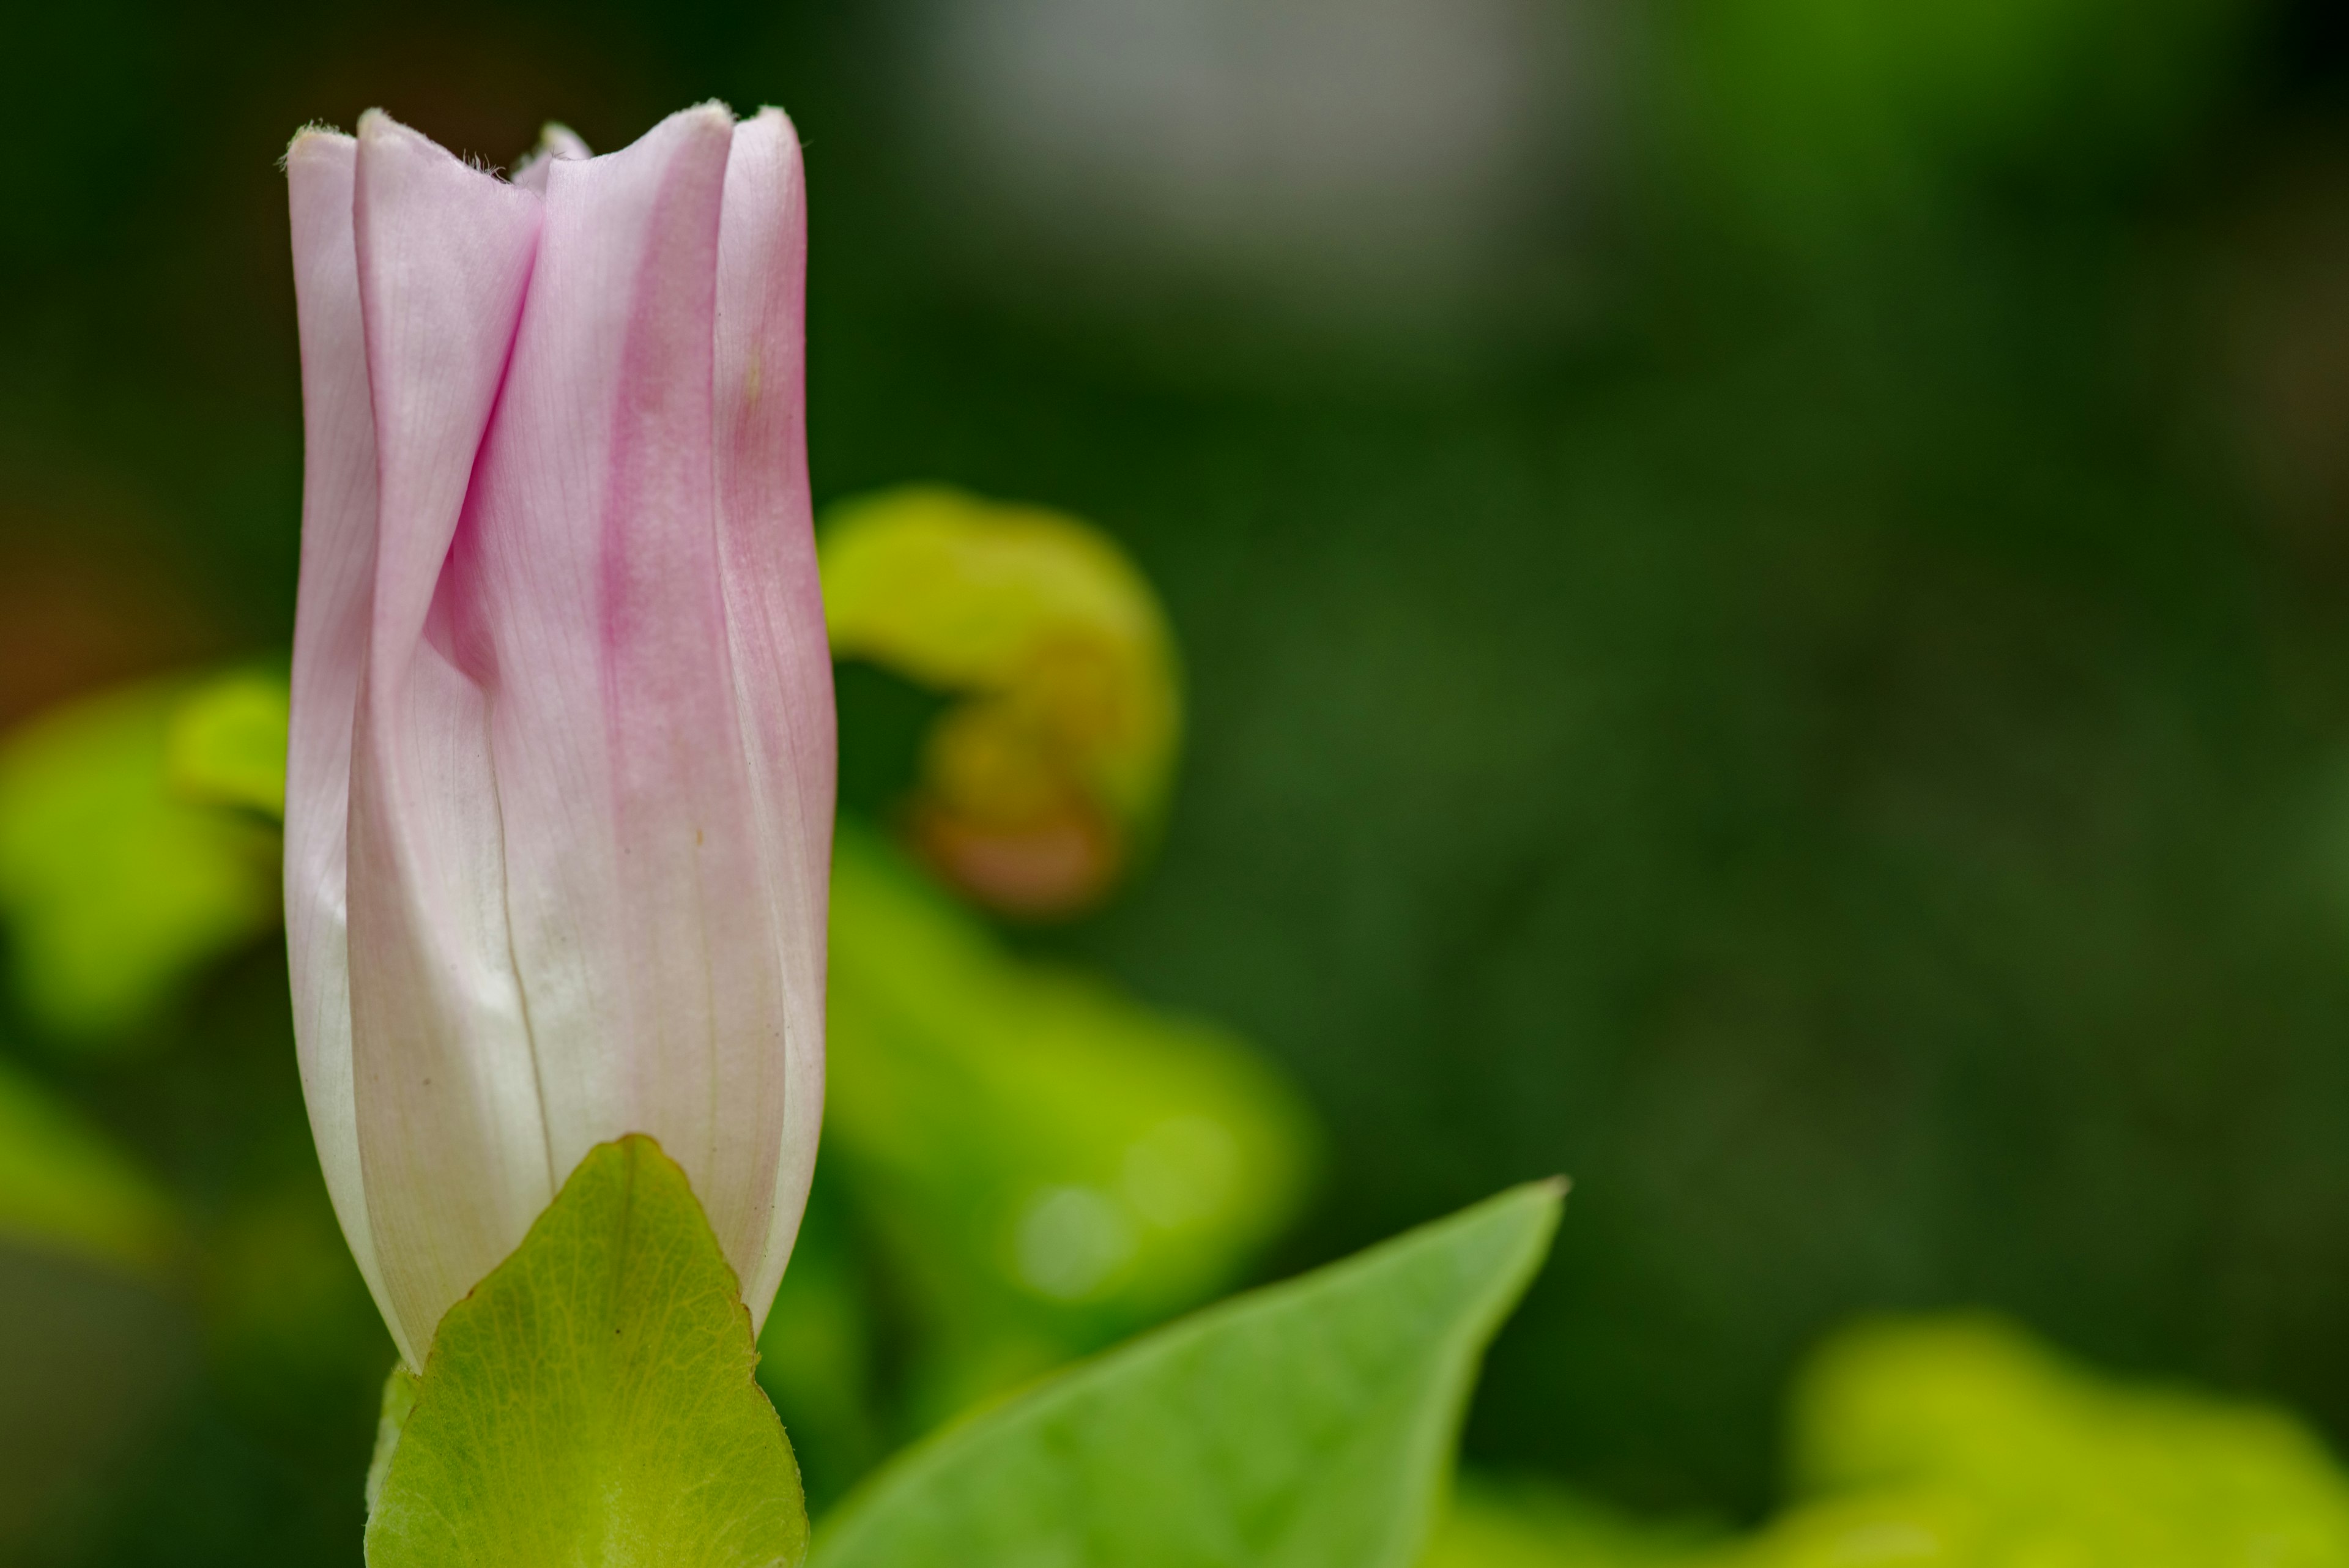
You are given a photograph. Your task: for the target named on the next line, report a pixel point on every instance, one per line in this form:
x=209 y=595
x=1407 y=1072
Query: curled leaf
x=1048 y=778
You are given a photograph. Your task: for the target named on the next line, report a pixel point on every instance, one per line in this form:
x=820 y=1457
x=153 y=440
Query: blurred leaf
x=64 y=1188
x=1961 y=1440
x=1054 y=1164
x=1540 y=1525
x=90 y=1360
x=114 y=890
x=817 y=1359
x=1305 y=1425
x=1041 y=786
x=227 y=742
x=592 y=1400
x=1909 y=1528
x=288 y=1314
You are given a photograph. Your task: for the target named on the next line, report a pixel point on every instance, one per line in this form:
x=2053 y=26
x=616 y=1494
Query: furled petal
x=338 y=502
x=452 y=1143
x=774 y=615
x=642 y=919
x=569 y=637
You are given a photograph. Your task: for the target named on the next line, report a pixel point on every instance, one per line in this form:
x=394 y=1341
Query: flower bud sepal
x=593 y=1399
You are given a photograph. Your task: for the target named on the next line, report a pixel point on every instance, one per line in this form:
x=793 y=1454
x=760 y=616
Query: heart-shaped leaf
x=592 y=1401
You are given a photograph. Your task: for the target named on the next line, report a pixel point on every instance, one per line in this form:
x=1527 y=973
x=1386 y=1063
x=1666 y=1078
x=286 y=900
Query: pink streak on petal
x=338 y=507
x=774 y=617
x=591 y=562
x=451 y=1139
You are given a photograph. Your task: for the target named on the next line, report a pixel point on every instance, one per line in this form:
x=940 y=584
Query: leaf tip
x=1549 y=1195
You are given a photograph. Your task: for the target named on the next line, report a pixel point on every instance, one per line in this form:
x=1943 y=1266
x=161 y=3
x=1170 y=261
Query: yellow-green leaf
x=593 y=1401
x=1041 y=784
x=114 y=888
x=1975 y=1444
x=227 y=742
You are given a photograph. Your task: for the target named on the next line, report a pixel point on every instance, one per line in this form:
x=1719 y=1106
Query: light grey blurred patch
x=1364 y=163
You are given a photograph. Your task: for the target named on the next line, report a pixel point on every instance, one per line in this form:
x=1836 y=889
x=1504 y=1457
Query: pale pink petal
x=591 y=569
x=774 y=617
x=452 y=1133
x=563 y=642
x=330 y=624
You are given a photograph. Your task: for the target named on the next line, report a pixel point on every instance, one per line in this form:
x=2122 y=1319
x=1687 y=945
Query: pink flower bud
x=560 y=793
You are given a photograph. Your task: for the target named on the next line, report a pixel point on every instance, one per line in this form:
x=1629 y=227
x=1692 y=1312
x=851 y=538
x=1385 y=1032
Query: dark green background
x=1828 y=721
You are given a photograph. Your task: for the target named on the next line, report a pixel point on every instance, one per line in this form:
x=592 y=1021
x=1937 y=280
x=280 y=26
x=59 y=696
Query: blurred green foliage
x=1963 y=1441
x=114 y=888
x=1307 y=1425
x=1040 y=1163
x=1814 y=116
x=1960 y=1442
x=1020 y=1164
x=65 y=1186
x=1492 y=1523
x=1047 y=1164
x=820 y=1355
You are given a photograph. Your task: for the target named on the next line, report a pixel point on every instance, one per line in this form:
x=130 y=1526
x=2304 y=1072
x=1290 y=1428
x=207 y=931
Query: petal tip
x=712 y=118
x=314 y=138
x=379 y=129
x=773 y=115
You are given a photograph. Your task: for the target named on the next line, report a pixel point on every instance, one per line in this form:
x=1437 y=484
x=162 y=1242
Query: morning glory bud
x=560 y=787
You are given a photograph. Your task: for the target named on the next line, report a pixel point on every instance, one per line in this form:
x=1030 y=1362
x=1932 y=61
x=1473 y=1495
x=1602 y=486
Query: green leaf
x=398 y=1404
x=116 y=890
x=1309 y=1425
x=592 y=1401
x=1052 y=1164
